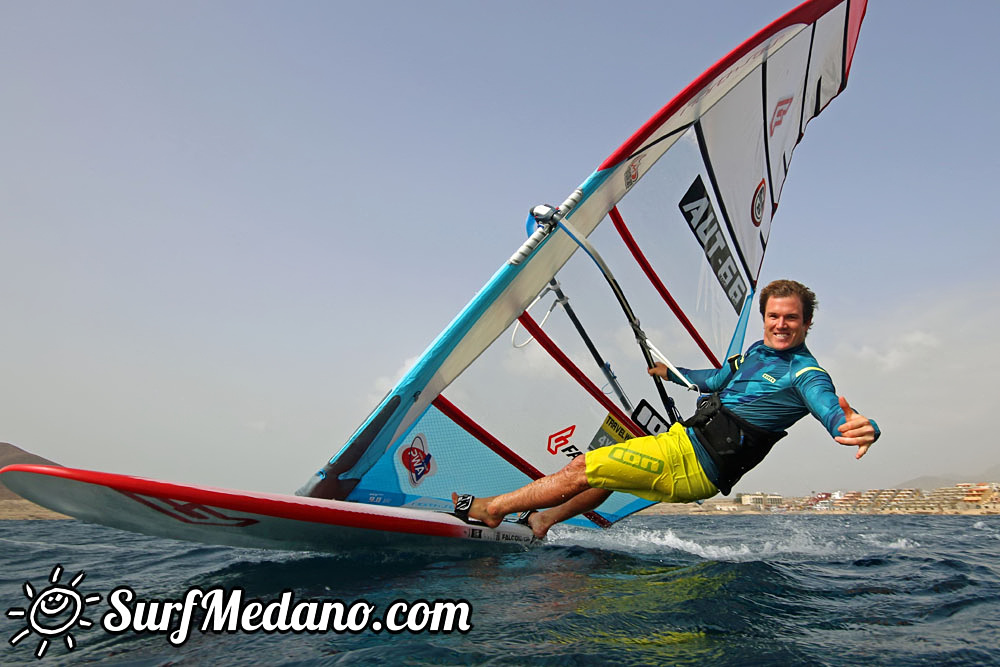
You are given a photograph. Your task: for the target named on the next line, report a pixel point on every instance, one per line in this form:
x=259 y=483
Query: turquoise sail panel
x=437 y=457
x=434 y=458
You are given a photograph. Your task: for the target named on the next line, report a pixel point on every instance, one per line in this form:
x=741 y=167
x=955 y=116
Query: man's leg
x=584 y=501
x=547 y=491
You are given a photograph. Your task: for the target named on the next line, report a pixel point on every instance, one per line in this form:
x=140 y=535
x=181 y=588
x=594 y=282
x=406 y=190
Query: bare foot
x=539 y=524
x=479 y=512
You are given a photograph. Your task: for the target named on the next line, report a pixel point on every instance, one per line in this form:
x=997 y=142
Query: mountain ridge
x=928 y=482
x=11 y=454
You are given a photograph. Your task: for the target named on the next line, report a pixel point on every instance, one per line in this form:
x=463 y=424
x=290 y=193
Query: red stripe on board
x=543 y=339
x=301 y=508
x=806 y=13
x=629 y=240
x=452 y=412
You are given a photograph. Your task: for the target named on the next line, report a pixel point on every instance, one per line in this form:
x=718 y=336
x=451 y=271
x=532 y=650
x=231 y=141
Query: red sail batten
x=466 y=422
x=633 y=247
x=560 y=357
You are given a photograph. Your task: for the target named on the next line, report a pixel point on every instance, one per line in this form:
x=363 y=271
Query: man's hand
x=857 y=431
x=660 y=369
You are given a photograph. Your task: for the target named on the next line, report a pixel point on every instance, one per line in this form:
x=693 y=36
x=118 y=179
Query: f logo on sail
x=560 y=440
x=780 y=109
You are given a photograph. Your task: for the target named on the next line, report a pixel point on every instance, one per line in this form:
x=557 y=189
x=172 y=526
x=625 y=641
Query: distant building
x=762 y=500
x=964 y=498
x=846 y=501
x=981 y=497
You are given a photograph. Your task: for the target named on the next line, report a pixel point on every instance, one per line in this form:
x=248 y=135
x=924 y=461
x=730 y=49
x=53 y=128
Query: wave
x=798 y=540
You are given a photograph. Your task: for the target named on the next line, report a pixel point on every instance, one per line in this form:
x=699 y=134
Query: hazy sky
x=224 y=226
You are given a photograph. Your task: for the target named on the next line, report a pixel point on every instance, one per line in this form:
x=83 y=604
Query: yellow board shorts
x=662 y=468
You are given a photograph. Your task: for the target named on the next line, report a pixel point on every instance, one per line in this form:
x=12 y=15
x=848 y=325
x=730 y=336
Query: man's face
x=784 y=327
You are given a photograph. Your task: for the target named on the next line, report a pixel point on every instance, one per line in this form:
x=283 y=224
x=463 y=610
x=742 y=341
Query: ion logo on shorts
x=636 y=460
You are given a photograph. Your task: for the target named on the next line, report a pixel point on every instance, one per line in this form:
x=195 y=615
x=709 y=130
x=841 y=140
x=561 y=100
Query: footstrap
x=462 y=506
x=522 y=518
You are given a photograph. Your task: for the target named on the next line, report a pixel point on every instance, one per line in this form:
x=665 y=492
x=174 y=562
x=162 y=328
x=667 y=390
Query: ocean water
x=654 y=590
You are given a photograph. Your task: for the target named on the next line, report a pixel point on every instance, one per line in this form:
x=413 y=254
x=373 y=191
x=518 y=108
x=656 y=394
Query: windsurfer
x=749 y=403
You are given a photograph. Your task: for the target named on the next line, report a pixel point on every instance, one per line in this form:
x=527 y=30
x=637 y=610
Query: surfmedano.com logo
x=56 y=611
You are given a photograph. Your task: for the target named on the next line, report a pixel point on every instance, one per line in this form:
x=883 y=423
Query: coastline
x=730 y=508
x=660 y=510
x=25 y=510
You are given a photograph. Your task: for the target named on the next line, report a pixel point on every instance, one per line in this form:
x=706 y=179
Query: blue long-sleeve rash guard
x=772 y=389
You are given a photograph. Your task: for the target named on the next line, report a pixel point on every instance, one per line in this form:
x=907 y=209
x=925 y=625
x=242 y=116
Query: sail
x=681 y=214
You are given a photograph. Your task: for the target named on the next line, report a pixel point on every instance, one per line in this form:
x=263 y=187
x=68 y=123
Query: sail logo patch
x=632 y=173
x=780 y=109
x=757 y=205
x=611 y=432
x=698 y=211
x=649 y=419
x=418 y=461
x=560 y=441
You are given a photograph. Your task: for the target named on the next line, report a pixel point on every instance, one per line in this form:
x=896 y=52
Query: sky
x=225 y=227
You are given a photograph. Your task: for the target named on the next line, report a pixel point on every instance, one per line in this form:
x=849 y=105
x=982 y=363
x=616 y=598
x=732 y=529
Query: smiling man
x=746 y=407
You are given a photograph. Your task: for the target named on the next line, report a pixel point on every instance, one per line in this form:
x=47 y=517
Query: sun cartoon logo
x=54 y=612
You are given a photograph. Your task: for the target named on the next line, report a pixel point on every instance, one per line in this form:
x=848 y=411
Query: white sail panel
x=734 y=155
x=785 y=80
x=674 y=217
x=826 y=67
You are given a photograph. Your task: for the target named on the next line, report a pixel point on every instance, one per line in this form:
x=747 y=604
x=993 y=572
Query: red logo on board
x=780 y=109
x=190 y=512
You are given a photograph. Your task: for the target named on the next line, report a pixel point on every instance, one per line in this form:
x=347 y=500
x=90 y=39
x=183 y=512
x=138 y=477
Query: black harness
x=733 y=443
